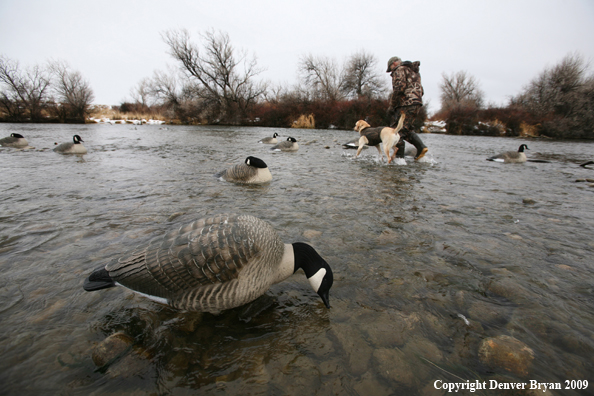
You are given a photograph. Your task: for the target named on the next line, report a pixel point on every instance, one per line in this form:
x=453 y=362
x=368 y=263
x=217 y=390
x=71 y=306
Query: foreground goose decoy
x=252 y=171
x=14 y=140
x=214 y=264
x=287 y=145
x=511 y=156
x=74 y=147
x=270 y=140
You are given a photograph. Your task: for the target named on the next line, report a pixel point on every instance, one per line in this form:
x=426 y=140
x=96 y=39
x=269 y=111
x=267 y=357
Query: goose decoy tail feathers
x=98 y=280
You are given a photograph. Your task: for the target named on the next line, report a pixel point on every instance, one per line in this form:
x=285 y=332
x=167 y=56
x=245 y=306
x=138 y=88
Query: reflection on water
x=437 y=264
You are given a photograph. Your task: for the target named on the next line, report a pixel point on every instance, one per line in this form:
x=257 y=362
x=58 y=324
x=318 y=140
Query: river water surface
x=431 y=260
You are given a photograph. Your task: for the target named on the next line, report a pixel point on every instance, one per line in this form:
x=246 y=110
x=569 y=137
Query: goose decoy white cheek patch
x=316 y=280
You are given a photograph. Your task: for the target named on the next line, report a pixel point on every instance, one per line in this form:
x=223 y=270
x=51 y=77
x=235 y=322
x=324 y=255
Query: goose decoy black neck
x=17 y=135
x=316 y=269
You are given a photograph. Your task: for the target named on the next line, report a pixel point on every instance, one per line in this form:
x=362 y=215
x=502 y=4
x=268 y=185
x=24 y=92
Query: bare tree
x=322 y=77
x=276 y=93
x=563 y=98
x=24 y=91
x=550 y=91
x=460 y=90
x=73 y=93
x=224 y=80
x=141 y=93
x=165 y=88
x=360 y=78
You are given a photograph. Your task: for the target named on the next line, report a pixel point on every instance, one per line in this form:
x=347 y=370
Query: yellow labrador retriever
x=374 y=136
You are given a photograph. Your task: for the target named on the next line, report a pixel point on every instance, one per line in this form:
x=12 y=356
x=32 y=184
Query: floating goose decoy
x=352 y=144
x=511 y=156
x=74 y=147
x=213 y=264
x=270 y=140
x=287 y=145
x=14 y=140
x=253 y=171
x=587 y=163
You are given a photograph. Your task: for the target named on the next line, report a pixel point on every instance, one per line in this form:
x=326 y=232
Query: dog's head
x=360 y=125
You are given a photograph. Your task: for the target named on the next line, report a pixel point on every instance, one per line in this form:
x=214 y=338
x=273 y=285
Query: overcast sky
x=114 y=44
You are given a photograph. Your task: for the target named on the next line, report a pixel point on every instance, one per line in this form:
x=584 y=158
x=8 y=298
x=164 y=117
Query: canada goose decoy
x=287 y=145
x=214 y=264
x=270 y=140
x=14 y=140
x=252 y=171
x=411 y=150
x=511 y=156
x=352 y=144
x=74 y=147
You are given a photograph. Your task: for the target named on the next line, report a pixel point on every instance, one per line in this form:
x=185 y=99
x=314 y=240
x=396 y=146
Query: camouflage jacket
x=406 y=84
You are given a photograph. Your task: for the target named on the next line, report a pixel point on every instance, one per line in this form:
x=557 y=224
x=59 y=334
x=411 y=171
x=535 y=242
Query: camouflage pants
x=410 y=113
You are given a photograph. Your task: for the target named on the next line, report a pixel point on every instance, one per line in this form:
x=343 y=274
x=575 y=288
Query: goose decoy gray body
x=252 y=171
x=74 y=147
x=270 y=140
x=287 y=145
x=14 y=140
x=213 y=264
x=511 y=156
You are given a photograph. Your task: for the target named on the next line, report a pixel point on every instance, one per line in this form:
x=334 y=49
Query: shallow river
x=433 y=262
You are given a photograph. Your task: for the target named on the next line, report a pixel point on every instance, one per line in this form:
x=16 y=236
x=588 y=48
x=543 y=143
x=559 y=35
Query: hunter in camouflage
x=407 y=97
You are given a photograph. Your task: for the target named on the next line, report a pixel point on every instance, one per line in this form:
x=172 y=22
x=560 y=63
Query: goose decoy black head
x=252 y=171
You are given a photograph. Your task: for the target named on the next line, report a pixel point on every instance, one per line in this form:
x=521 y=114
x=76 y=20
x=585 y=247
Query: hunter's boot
x=400 y=146
x=418 y=143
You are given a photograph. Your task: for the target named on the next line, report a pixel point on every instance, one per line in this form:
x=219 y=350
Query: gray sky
x=503 y=44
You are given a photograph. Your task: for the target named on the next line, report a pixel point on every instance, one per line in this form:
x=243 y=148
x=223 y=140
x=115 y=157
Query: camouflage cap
x=392 y=60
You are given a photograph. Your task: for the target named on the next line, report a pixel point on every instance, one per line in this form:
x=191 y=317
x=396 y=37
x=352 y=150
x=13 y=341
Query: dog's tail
x=400 y=122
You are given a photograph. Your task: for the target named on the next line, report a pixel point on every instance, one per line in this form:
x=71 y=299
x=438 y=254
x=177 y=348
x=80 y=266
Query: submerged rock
x=311 y=234
x=506 y=353
x=111 y=348
x=133 y=363
x=488 y=313
x=510 y=289
x=357 y=350
x=393 y=365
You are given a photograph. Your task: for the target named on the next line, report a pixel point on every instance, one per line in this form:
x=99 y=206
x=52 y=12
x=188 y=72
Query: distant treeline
x=215 y=84
x=558 y=103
